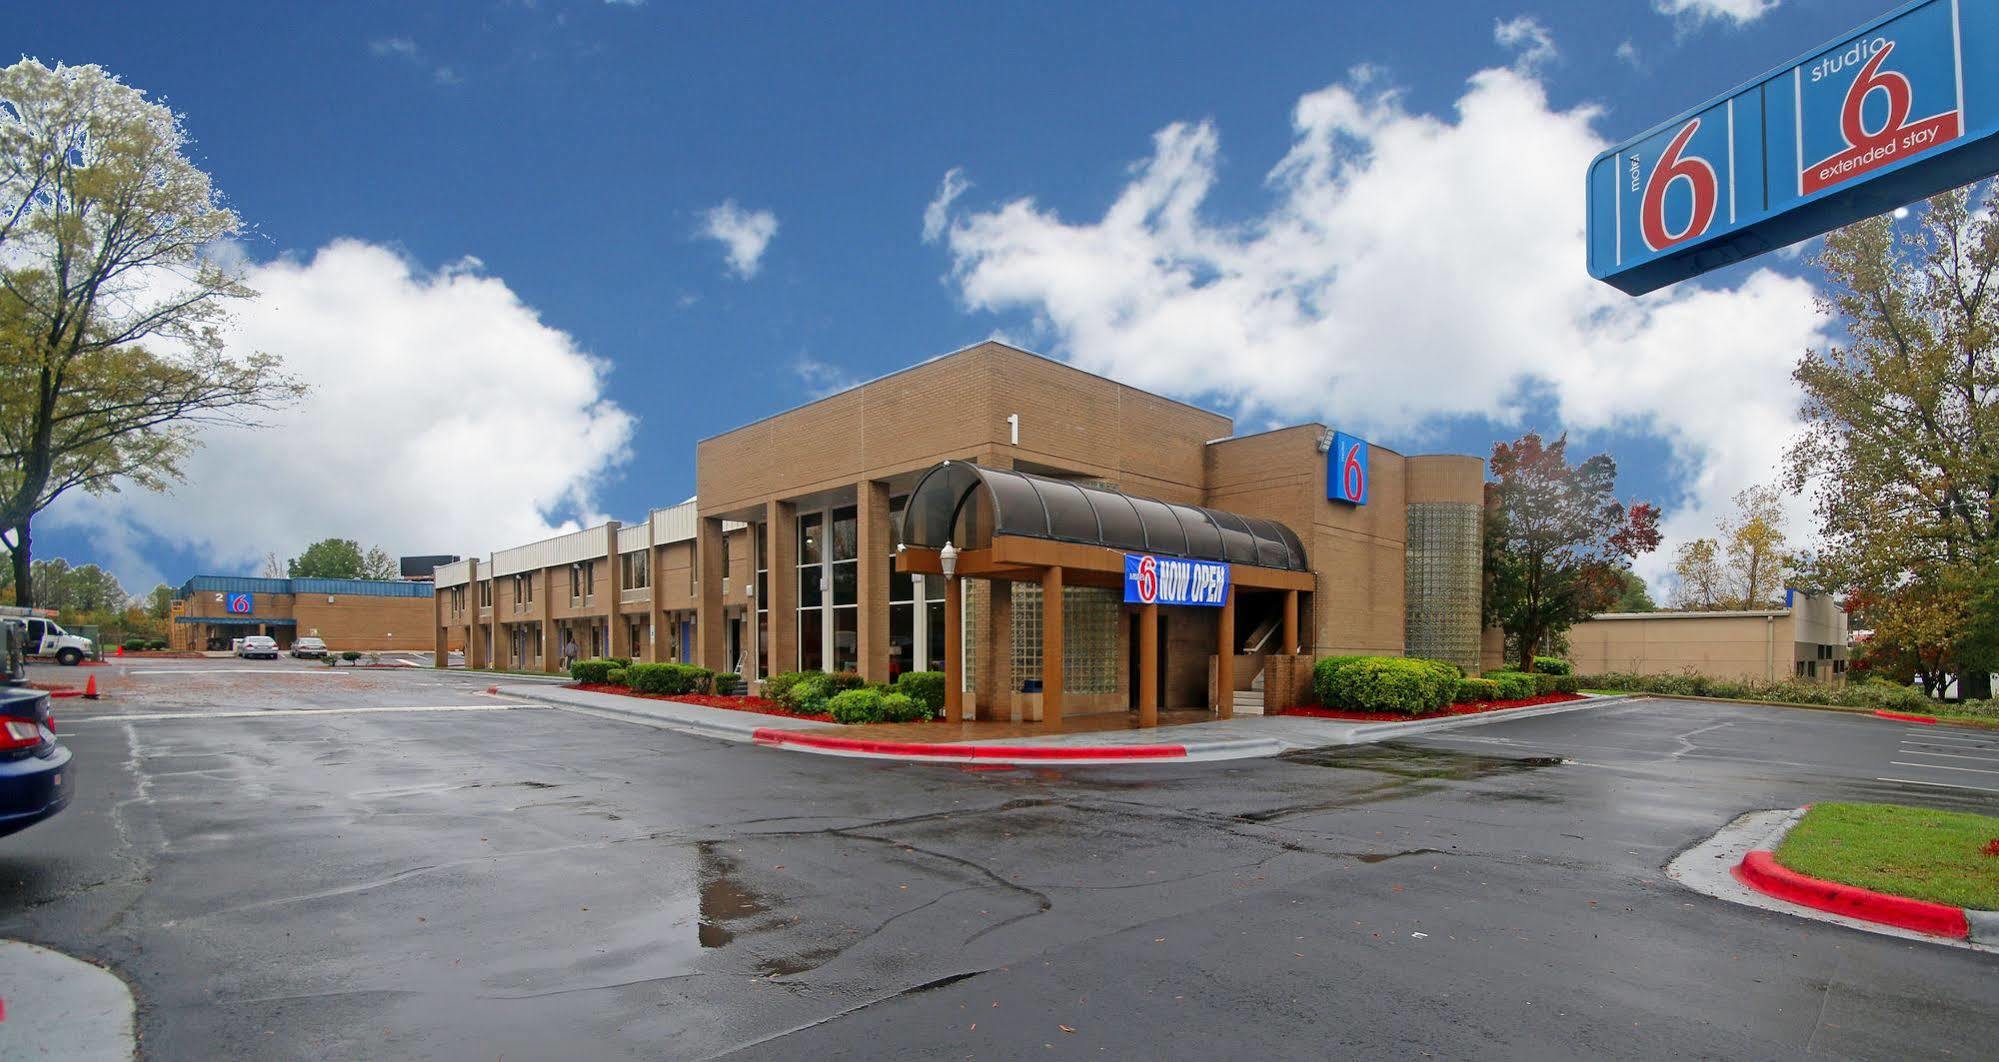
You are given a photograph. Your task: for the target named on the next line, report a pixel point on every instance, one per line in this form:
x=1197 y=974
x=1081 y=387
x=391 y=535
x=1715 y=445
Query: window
x=575 y=581
x=1839 y=667
x=811 y=597
x=634 y=571
x=1801 y=667
x=520 y=585
x=762 y=563
x=486 y=594
x=589 y=579
x=529 y=580
x=1090 y=636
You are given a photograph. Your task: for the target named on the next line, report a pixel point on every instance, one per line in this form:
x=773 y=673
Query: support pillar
x=440 y=654
x=1290 y=623
x=871 y=578
x=1225 y=659
x=551 y=643
x=999 y=610
x=954 y=649
x=781 y=547
x=1051 y=647
x=709 y=647
x=1148 y=665
x=475 y=635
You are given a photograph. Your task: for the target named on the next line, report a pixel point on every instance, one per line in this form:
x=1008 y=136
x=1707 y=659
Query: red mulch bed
x=743 y=703
x=1473 y=708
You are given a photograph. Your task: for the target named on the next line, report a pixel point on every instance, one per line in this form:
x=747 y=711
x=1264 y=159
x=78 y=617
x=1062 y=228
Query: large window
x=635 y=570
x=1090 y=635
x=828 y=591
x=761 y=544
x=811 y=598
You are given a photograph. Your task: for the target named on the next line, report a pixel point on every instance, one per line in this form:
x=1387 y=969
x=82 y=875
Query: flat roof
x=952 y=354
x=1745 y=614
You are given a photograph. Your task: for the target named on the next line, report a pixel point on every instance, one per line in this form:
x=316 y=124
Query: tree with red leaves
x=1557 y=541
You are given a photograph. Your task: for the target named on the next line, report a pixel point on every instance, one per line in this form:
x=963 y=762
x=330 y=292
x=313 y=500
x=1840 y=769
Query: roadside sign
x=1904 y=108
x=241 y=604
x=1346 y=469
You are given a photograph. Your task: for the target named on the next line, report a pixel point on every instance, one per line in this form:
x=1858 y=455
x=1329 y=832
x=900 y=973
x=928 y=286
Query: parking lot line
x=1949 y=756
x=1956 y=739
x=291 y=713
x=1940 y=767
x=1939 y=785
x=242 y=671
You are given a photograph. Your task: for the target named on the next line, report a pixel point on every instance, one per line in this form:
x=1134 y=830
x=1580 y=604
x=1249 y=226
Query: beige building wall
x=1807 y=641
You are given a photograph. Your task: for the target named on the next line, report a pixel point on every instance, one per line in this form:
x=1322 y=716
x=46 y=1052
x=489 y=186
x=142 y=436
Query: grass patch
x=1940 y=856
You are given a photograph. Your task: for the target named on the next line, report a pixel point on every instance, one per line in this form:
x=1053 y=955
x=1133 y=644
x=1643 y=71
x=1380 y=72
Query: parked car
x=304 y=648
x=35 y=779
x=257 y=645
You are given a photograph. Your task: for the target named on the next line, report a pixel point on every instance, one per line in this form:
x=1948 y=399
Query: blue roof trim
x=244 y=584
x=238 y=621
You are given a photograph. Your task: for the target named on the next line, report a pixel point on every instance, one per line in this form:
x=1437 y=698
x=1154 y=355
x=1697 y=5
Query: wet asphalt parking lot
x=467 y=879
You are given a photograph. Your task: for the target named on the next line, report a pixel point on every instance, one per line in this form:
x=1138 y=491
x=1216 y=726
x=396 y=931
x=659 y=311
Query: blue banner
x=1346 y=470
x=1150 y=580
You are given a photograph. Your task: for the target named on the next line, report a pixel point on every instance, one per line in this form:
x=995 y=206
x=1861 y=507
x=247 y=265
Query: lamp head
x=948 y=558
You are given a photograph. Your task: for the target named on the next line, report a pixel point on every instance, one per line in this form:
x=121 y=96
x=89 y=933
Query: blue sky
x=546 y=171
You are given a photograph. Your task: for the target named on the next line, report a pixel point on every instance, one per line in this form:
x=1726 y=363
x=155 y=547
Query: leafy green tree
x=1754 y=539
x=328 y=558
x=1901 y=449
x=1636 y=596
x=111 y=306
x=1697 y=564
x=1557 y=541
x=160 y=602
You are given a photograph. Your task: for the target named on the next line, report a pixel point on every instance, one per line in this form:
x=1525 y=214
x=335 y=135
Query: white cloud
x=444 y=417
x=823 y=378
x=401 y=47
x=743 y=234
x=1736 y=11
x=938 y=214
x=1628 y=52
x=1411 y=267
x=1533 y=45
x=445 y=75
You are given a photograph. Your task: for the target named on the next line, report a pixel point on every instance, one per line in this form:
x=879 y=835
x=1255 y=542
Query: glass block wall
x=1442 y=583
x=1090 y=631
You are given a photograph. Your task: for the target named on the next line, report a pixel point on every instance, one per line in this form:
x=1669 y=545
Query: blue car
x=35 y=777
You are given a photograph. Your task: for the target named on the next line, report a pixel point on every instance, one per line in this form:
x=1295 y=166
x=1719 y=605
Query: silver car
x=257 y=645
x=309 y=648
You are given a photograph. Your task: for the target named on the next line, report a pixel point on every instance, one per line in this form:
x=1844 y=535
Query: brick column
x=1225 y=658
x=551 y=644
x=440 y=653
x=998 y=658
x=619 y=636
x=871 y=519
x=709 y=647
x=1051 y=647
x=655 y=650
x=781 y=543
x=1148 y=665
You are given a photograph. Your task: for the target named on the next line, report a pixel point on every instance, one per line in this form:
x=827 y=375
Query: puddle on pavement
x=1413 y=762
x=724 y=900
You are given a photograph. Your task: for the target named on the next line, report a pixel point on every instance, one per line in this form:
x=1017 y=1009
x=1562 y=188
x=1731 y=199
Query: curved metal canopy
x=967 y=504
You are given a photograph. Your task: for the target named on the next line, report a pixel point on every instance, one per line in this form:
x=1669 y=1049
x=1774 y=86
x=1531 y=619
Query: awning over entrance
x=968 y=504
x=237 y=621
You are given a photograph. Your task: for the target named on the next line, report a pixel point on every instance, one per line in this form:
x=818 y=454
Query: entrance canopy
x=968 y=505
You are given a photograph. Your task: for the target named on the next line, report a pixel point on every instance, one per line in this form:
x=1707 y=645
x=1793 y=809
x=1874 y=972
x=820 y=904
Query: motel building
x=922 y=521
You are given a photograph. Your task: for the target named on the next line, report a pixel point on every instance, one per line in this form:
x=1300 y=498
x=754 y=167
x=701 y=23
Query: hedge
x=924 y=687
x=776 y=686
x=855 y=706
x=617 y=676
x=1476 y=689
x=726 y=682
x=900 y=707
x=669 y=678
x=1553 y=665
x=1384 y=683
x=1852 y=695
x=596 y=670
x=1513 y=685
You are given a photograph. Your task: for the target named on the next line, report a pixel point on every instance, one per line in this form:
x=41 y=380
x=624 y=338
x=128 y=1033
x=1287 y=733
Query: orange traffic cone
x=90 y=689
x=120 y=652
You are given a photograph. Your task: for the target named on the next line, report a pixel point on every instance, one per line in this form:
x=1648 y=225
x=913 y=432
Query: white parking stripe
x=1906 y=751
x=1940 y=767
x=1939 y=785
x=242 y=671
x=1931 y=735
x=288 y=713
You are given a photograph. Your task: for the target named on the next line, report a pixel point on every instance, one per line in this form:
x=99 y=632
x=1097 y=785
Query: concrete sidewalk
x=1239 y=738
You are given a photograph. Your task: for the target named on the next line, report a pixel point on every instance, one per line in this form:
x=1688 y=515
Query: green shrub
x=924 y=687
x=596 y=670
x=856 y=706
x=902 y=708
x=1389 y=684
x=808 y=695
x=1568 y=684
x=350 y=655
x=1476 y=689
x=669 y=678
x=776 y=686
x=1512 y=685
x=157 y=643
x=726 y=682
x=1553 y=665
x=840 y=681
x=1324 y=673
x=617 y=676
x=135 y=644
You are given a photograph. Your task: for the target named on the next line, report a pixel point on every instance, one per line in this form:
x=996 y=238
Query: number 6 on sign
x=1674 y=166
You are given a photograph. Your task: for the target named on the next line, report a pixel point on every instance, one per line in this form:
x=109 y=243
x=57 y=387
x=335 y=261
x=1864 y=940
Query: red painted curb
x=1760 y=871
x=772 y=736
x=1905 y=717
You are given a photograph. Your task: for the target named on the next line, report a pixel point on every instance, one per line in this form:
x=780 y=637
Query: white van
x=46 y=638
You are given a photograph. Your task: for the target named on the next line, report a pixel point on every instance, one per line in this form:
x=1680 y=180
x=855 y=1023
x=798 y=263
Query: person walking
x=568 y=650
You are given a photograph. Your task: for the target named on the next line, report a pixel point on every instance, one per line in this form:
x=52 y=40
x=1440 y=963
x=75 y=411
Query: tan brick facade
x=829 y=474
x=346 y=614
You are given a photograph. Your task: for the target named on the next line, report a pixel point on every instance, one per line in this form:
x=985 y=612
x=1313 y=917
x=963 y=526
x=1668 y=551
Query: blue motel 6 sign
x=1904 y=108
x=1346 y=470
x=1150 y=580
x=240 y=604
